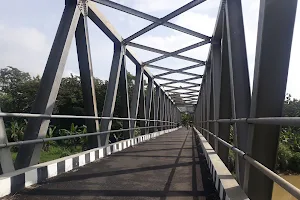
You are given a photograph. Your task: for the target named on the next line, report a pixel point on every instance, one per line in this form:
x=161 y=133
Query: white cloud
x=27 y=47
x=24 y=48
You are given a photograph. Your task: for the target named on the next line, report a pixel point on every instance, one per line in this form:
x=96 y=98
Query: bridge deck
x=168 y=167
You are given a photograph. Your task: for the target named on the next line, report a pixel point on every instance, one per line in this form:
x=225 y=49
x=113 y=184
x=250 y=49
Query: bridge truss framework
x=224 y=98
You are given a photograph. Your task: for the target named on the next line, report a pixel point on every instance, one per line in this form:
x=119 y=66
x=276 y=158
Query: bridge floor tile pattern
x=168 y=167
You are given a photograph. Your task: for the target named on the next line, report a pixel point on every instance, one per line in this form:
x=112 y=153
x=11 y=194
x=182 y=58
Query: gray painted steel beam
x=156 y=106
x=187 y=87
x=172 y=70
x=111 y=92
x=163 y=20
x=239 y=76
x=136 y=96
x=149 y=100
x=225 y=99
x=49 y=85
x=193 y=46
x=182 y=89
x=87 y=80
x=6 y=162
x=177 y=81
x=164 y=52
x=190 y=83
x=142 y=110
x=99 y=19
x=152 y=110
x=216 y=84
x=276 y=23
x=178 y=70
x=123 y=89
x=149 y=17
x=162 y=108
x=187 y=93
x=218 y=30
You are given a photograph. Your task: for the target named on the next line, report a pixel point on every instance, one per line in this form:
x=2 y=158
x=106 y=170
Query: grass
x=54 y=152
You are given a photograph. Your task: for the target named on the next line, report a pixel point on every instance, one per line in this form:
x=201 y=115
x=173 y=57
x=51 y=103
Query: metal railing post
x=239 y=77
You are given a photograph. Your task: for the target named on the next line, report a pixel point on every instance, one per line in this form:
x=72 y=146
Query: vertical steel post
x=49 y=86
x=211 y=107
x=156 y=107
x=123 y=88
x=6 y=162
x=135 y=97
x=141 y=111
x=149 y=101
x=225 y=98
x=162 y=108
x=87 y=79
x=276 y=23
x=208 y=97
x=111 y=92
x=239 y=77
x=151 y=123
x=216 y=80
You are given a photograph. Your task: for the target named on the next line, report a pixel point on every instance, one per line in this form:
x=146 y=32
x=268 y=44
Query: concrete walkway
x=168 y=167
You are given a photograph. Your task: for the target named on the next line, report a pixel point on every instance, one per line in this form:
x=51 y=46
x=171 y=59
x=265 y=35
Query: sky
x=27 y=30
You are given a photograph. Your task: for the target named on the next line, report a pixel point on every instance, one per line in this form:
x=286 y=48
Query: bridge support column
x=141 y=109
x=156 y=107
x=239 y=77
x=216 y=85
x=136 y=97
x=87 y=80
x=111 y=92
x=123 y=89
x=225 y=100
x=149 y=103
x=275 y=32
x=49 y=86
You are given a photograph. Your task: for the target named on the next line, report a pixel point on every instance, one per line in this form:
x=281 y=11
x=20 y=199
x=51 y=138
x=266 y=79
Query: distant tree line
x=18 y=90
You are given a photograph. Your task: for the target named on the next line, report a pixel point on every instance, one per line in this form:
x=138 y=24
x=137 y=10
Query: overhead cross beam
x=193 y=46
x=163 y=20
x=140 y=46
x=178 y=70
x=178 y=81
x=181 y=88
x=174 y=71
x=149 y=18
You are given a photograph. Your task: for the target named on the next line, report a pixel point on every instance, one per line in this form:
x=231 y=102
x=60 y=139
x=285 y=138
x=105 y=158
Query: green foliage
x=283 y=157
x=186 y=119
x=294 y=162
x=74 y=142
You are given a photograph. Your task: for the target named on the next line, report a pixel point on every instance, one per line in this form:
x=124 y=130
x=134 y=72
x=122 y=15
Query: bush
x=283 y=157
x=294 y=162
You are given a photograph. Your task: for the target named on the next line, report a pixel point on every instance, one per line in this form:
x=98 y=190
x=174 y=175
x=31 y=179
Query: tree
x=18 y=90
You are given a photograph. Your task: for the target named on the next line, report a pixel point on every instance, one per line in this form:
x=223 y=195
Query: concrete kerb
x=225 y=183
x=15 y=181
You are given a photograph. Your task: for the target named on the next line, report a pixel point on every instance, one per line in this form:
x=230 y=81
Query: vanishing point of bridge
x=166 y=161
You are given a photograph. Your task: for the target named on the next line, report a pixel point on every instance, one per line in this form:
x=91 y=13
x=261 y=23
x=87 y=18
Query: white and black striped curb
x=225 y=183
x=15 y=181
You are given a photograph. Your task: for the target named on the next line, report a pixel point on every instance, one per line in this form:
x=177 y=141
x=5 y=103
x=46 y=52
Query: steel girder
x=140 y=46
x=45 y=99
x=269 y=90
x=150 y=18
x=163 y=20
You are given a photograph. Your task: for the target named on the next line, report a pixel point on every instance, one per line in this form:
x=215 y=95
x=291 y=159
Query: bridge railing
x=43 y=140
x=225 y=98
x=263 y=169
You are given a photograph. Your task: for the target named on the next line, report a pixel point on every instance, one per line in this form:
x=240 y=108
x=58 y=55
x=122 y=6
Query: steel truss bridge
x=224 y=98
